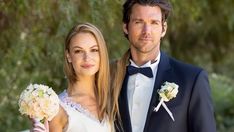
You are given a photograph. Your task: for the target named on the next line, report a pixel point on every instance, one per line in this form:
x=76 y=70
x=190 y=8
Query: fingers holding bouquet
x=39 y=126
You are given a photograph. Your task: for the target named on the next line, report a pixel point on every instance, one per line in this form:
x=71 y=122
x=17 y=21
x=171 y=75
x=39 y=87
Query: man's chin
x=146 y=50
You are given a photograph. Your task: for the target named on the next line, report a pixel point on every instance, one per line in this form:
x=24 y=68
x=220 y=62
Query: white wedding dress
x=79 y=119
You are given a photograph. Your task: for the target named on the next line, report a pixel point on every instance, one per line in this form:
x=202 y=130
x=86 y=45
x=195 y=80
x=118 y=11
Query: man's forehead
x=145 y=11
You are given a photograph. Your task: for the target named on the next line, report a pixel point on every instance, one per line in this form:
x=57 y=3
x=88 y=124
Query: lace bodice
x=80 y=119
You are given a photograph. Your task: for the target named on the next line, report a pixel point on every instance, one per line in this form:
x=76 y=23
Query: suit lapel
x=162 y=73
x=123 y=106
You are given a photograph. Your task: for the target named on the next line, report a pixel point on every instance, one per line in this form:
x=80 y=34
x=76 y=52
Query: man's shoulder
x=185 y=67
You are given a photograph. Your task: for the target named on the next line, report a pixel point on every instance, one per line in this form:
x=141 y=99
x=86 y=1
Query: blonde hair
x=102 y=76
x=118 y=70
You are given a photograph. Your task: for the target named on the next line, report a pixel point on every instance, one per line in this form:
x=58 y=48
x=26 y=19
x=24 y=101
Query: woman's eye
x=94 y=50
x=77 y=51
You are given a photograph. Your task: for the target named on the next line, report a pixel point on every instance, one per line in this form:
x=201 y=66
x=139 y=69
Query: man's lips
x=146 y=39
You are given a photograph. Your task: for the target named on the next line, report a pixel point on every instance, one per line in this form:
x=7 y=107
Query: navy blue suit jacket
x=192 y=108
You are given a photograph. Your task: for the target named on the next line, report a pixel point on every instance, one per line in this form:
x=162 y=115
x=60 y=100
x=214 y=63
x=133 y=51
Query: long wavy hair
x=103 y=74
x=118 y=71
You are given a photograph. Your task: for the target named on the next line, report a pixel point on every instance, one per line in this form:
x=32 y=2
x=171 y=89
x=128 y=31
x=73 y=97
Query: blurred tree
x=202 y=32
x=223 y=102
x=32 y=35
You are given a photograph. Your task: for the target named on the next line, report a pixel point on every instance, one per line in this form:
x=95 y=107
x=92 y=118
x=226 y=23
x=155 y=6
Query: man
x=141 y=72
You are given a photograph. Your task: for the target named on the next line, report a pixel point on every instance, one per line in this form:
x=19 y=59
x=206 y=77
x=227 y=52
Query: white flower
x=167 y=92
x=39 y=101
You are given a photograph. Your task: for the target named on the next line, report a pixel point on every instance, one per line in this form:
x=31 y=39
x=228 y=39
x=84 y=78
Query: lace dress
x=80 y=119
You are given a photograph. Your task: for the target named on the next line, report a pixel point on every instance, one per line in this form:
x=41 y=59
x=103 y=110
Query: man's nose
x=146 y=29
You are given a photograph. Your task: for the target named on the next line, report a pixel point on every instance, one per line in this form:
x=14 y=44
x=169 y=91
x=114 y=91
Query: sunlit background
x=32 y=33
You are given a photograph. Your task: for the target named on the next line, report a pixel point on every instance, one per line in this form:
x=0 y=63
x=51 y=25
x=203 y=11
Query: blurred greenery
x=32 y=34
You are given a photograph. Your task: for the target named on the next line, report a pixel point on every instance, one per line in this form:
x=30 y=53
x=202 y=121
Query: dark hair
x=163 y=4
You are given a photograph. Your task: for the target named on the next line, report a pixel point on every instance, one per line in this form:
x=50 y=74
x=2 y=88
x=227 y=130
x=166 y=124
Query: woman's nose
x=86 y=56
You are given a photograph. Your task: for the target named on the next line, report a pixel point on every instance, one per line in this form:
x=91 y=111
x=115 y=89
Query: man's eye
x=155 y=23
x=137 y=22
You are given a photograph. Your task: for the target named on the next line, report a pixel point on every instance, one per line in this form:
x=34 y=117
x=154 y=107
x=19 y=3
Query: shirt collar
x=153 y=66
x=147 y=64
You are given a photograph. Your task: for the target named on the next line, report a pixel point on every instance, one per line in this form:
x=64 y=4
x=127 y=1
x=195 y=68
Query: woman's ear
x=125 y=28
x=164 y=29
x=68 y=56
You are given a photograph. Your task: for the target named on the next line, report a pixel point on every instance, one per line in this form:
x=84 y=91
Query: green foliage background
x=32 y=34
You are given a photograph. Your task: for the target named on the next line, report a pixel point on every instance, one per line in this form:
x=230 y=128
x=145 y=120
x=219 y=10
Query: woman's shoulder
x=59 y=121
x=63 y=95
x=61 y=118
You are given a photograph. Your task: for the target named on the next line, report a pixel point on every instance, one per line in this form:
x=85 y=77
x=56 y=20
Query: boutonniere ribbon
x=167 y=92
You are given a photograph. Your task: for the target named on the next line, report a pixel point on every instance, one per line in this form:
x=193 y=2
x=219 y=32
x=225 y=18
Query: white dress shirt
x=139 y=92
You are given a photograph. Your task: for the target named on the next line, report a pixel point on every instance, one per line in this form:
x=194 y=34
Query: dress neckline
x=78 y=107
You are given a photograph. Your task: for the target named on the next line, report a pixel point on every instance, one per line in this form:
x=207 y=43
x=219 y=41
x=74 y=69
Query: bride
x=83 y=105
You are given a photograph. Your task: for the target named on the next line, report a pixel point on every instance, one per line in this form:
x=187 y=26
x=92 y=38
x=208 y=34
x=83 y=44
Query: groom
x=144 y=68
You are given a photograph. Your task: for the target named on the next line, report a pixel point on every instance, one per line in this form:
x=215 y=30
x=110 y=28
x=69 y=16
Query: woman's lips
x=86 y=66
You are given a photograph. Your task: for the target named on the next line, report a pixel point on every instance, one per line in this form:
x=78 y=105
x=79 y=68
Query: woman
x=84 y=103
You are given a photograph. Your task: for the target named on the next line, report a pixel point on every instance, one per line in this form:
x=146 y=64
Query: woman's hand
x=39 y=127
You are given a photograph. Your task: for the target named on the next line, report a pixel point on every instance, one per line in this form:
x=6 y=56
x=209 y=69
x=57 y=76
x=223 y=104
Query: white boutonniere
x=167 y=92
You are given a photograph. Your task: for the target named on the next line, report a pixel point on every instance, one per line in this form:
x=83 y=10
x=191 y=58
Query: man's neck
x=141 y=58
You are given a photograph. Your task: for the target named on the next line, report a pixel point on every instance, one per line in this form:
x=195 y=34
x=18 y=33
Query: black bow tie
x=147 y=71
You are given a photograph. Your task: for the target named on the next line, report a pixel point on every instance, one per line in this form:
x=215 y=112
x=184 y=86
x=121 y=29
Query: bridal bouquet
x=39 y=101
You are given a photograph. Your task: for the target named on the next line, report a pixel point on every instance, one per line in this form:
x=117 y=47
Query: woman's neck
x=84 y=86
x=82 y=92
